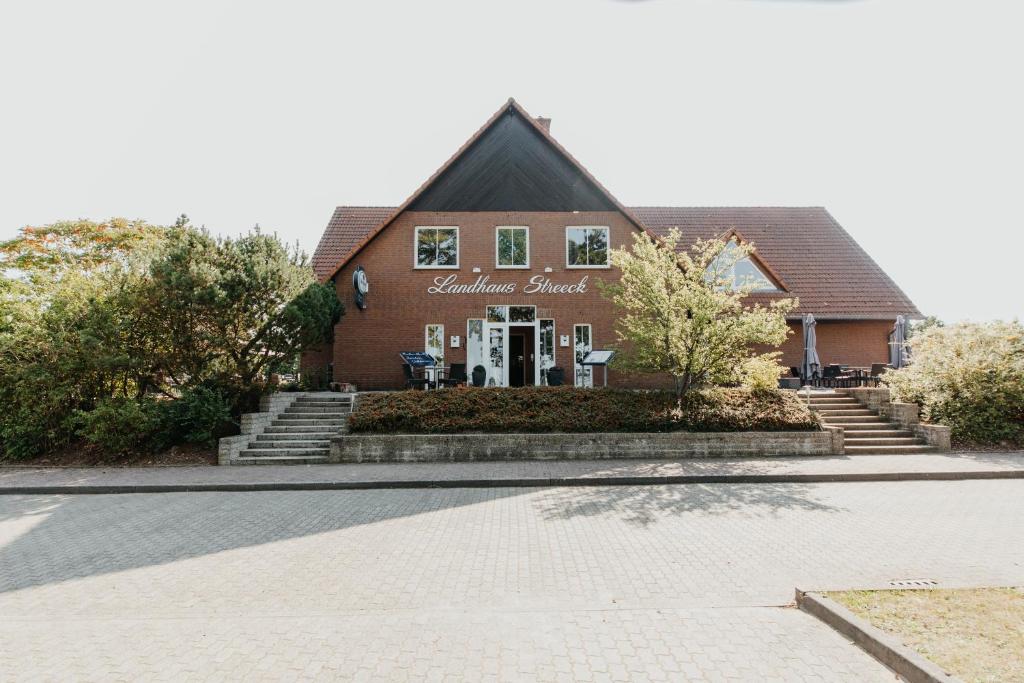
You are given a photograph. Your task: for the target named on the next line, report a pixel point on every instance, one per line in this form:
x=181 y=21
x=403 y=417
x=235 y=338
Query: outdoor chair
x=456 y=377
x=794 y=372
x=412 y=381
x=832 y=376
x=877 y=370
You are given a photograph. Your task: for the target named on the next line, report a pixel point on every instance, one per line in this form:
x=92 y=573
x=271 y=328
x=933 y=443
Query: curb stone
x=904 y=661
x=532 y=482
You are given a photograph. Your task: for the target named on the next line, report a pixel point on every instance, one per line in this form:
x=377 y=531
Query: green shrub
x=120 y=426
x=200 y=416
x=761 y=373
x=968 y=376
x=567 y=409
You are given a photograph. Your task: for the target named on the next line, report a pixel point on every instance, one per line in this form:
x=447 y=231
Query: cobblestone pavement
x=604 y=583
x=482 y=471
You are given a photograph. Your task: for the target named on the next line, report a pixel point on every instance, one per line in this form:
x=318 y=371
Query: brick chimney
x=544 y=123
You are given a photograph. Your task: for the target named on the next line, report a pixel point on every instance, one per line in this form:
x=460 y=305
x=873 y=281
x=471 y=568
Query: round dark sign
x=361 y=286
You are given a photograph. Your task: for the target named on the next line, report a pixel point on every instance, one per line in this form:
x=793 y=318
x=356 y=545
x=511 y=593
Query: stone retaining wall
x=469 y=447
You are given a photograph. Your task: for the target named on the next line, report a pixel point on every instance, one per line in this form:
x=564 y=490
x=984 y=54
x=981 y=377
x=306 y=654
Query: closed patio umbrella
x=811 y=362
x=899 y=354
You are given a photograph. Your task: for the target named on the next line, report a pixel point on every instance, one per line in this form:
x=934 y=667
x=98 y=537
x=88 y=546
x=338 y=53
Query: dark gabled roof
x=511 y=107
x=803 y=247
x=817 y=259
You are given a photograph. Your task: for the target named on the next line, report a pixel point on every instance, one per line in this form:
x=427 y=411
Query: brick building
x=494 y=261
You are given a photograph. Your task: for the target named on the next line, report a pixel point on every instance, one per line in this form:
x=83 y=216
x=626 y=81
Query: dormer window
x=743 y=272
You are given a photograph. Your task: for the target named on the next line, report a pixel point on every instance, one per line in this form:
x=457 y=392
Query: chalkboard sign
x=418 y=359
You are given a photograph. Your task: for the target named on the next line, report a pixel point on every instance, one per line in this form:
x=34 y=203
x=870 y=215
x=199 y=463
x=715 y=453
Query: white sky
x=902 y=117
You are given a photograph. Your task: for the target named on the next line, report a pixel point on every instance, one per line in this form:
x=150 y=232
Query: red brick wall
x=849 y=342
x=367 y=342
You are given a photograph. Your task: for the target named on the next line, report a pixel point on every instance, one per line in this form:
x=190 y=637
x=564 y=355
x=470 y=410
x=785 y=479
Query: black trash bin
x=479 y=376
x=556 y=376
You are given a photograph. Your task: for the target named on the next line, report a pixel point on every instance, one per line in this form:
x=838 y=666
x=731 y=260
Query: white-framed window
x=511 y=314
x=433 y=342
x=586 y=246
x=512 y=246
x=436 y=247
x=740 y=273
x=583 y=343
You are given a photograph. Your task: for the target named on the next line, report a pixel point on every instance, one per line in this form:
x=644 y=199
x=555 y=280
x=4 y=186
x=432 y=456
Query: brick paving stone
x=619 y=583
x=370 y=473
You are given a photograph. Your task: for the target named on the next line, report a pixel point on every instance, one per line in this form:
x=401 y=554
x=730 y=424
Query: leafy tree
x=232 y=308
x=681 y=313
x=104 y=326
x=77 y=246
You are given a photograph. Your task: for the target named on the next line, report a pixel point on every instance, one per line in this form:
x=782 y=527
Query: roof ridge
x=732 y=206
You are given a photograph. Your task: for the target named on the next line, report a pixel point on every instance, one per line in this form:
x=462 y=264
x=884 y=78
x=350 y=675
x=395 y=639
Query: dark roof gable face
x=511 y=167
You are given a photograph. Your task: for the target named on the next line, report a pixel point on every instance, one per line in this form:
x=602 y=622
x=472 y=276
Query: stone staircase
x=301 y=434
x=865 y=432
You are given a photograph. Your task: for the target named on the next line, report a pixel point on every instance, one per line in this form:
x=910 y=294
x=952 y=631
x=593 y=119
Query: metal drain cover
x=914 y=583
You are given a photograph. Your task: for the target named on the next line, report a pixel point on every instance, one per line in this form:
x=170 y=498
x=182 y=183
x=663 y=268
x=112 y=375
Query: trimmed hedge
x=567 y=409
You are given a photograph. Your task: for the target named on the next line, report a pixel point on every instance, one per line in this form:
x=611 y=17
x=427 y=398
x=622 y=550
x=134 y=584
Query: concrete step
x=271 y=445
x=307 y=423
x=884 y=441
x=315 y=412
x=318 y=409
x=314 y=406
x=825 y=400
x=887 y=450
x=281 y=460
x=309 y=419
x=853 y=419
x=296 y=436
x=876 y=433
x=276 y=452
x=840 y=412
x=293 y=428
x=867 y=426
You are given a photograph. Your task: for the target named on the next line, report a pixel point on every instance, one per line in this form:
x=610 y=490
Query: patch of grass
x=568 y=409
x=976 y=634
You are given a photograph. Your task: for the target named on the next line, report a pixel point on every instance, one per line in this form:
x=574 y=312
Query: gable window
x=742 y=273
x=586 y=246
x=437 y=247
x=512 y=246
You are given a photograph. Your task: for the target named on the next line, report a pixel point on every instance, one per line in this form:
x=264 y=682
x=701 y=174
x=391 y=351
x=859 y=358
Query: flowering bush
x=761 y=373
x=968 y=376
x=568 y=409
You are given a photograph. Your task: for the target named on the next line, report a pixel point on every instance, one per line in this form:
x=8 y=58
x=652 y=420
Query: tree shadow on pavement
x=51 y=538
x=644 y=505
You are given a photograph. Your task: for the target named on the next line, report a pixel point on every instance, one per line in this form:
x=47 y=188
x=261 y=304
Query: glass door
x=497 y=354
x=583 y=344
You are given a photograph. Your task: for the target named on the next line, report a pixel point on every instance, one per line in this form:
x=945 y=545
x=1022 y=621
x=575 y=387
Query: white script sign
x=449 y=284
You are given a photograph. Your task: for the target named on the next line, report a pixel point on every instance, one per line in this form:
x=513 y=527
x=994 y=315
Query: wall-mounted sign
x=454 y=341
x=563 y=340
x=538 y=284
x=361 y=286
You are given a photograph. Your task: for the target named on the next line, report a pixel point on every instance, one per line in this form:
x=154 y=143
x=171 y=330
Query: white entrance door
x=583 y=344
x=496 y=345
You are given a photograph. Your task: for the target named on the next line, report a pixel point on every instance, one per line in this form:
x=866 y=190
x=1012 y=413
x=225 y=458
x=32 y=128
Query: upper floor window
x=512 y=246
x=739 y=273
x=586 y=247
x=437 y=247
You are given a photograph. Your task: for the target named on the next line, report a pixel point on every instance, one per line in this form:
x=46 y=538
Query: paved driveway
x=660 y=583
